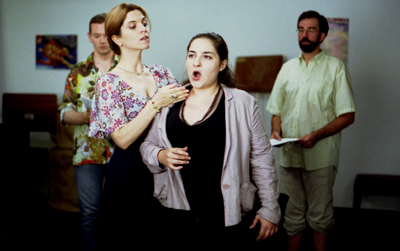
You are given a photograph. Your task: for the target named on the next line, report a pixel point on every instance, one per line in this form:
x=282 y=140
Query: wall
x=250 y=27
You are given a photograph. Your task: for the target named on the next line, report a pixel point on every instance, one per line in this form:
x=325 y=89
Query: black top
x=206 y=145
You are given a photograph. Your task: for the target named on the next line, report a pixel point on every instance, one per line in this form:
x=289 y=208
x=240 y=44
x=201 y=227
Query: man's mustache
x=305 y=40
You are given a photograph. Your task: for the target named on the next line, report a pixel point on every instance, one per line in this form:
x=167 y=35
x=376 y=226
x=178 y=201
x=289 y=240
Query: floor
x=42 y=230
x=47 y=229
x=28 y=222
x=364 y=229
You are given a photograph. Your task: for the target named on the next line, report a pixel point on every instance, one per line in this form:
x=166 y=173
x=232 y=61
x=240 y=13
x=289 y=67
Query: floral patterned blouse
x=115 y=103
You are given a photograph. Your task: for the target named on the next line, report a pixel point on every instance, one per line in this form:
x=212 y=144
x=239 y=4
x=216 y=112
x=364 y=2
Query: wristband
x=155 y=107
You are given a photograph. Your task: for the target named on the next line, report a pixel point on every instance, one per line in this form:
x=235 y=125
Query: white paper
x=87 y=102
x=275 y=142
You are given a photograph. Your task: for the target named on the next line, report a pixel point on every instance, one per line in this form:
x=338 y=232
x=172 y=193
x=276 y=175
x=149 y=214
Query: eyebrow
x=134 y=21
x=204 y=52
x=311 y=27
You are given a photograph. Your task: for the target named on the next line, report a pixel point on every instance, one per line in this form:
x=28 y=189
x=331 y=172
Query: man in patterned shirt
x=312 y=100
x=90 y=155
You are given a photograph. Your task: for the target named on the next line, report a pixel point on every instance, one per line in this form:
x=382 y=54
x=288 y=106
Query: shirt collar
x=90 y=61
x=316 y=58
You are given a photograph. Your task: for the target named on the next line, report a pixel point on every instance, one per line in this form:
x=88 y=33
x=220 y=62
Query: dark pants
x=89 y=182
x=184 y=231
x=129 y=210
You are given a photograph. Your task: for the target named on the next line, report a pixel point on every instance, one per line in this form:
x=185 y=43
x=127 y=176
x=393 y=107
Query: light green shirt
x=307 y=98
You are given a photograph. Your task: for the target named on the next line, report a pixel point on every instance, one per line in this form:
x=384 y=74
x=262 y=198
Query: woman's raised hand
x=169 y=95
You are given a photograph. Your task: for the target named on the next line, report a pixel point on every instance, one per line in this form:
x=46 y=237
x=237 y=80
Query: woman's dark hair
x=114 y=20
x=225 y=76
x=323 y=23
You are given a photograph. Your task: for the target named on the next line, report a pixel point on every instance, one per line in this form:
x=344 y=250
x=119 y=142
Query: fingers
x=176 y=157
x=307 y=141
x=253 y=225
x=267 y=228
x=171 y=86
x=179 y=94
x=168 y=95
x=266 y=232
x=303 y=137
x=276 y=136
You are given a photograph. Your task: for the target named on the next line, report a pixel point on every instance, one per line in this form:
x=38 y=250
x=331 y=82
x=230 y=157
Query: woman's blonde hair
x=116 y=18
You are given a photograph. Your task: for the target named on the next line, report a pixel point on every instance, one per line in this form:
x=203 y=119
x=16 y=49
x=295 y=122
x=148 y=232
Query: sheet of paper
x=275 y=142
x=87 y=102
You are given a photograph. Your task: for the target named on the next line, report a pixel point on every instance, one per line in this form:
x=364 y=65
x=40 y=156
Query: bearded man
x=311 y=100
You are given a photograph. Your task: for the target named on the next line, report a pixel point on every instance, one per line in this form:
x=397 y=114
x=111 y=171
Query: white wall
x=250 y=27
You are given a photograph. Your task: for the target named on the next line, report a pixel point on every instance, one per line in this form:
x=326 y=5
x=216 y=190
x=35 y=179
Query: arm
x=276 y=129
x=265 y=176
x=76 y=118
x=151 y=146
x=154 y=154
x=275 y=104
x=129 y=133
x=70 y=112
x=174 y=157
x=267 y=228
x=68 y=109
x=337 y=125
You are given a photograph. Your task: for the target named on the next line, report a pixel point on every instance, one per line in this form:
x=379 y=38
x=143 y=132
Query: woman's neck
x=131 y=60
x=205 y=92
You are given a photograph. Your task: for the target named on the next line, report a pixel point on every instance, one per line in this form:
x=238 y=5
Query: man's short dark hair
x=323 y=23
x=98 y=19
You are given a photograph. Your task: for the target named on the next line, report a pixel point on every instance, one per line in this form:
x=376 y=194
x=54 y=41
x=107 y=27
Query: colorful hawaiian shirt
x=116 y=103
x=81 y=82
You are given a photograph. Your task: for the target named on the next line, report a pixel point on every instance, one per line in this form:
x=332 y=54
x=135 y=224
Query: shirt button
x=226 y=186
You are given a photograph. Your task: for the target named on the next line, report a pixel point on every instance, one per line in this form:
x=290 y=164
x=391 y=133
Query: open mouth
x=196 y=75
x=145 y=38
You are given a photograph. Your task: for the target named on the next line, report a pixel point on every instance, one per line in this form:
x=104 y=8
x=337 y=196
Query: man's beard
x=308 y=47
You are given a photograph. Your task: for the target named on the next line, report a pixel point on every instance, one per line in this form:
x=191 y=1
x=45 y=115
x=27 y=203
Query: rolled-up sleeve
x=343 y=98
x=263 y=170
x=277 y=97
x=151 y=147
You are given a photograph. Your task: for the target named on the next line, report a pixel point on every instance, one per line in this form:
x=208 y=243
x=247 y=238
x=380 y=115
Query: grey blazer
x=247 y=146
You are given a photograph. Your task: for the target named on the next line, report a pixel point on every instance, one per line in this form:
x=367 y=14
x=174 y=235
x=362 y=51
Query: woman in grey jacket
x=210 y=154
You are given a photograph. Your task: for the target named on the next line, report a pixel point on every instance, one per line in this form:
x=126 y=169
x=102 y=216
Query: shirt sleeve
x=344 y=99
x=262 y=162
x=152 y=145
x=162 y=75
x=277 y=97
x=69 y=97
x=108 y=113
x=170 y=76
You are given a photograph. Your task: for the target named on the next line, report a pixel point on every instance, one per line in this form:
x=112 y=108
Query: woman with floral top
x=125 y=103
